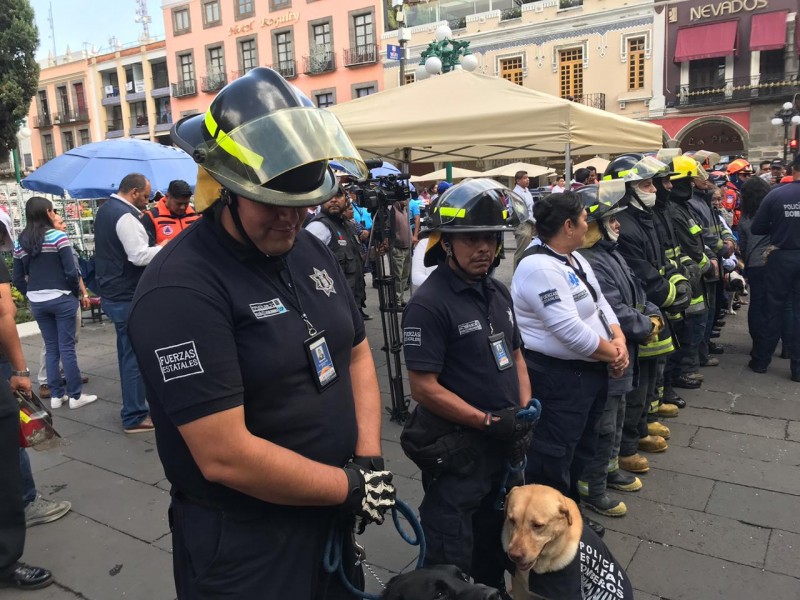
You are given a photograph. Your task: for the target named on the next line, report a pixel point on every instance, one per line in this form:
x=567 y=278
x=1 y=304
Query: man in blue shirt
x=779 y=217
x=414 y=206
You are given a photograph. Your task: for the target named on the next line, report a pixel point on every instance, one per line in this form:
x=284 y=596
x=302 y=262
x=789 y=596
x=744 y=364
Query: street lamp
x=445 y=54
x=786 y=116
x=23 y=134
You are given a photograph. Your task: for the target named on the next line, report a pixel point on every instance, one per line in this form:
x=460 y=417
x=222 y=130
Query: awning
x=768 y=31
x=797 y=34
x=707 y=41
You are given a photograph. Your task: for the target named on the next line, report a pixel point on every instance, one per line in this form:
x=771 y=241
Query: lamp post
x=443 y=55
x=23 y=134
x=786 y=116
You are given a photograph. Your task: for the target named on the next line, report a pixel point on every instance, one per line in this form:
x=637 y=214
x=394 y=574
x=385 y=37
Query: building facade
x=60 y=114
x=84 y=98
x=728 y=67
x=327 y=48
x=597 y=52
x=132 y=93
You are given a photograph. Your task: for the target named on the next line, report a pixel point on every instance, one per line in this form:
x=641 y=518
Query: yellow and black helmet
x=477 y=205
x=262 y=139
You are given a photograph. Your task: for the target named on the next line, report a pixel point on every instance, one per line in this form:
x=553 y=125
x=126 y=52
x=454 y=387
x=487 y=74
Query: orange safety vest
x=168 y=225
x=731 y=201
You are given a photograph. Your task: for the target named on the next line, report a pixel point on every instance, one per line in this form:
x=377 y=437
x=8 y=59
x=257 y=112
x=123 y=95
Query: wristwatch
x=25 y=373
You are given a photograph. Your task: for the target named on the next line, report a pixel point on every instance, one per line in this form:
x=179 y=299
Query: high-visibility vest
x=167 y=225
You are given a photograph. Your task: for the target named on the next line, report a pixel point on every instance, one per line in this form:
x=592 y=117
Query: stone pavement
x=717 y=518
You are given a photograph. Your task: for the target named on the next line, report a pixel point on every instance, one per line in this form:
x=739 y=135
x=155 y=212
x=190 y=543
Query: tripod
x=382 y=243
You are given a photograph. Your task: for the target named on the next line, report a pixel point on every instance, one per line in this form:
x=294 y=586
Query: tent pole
x=567 y=164
x=406 y=161
x=448 y=168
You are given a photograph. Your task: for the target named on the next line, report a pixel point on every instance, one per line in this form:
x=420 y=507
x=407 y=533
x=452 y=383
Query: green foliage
x=19 y=71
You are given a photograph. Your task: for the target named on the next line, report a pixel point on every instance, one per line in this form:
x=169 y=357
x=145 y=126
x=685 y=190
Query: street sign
x=393 y=52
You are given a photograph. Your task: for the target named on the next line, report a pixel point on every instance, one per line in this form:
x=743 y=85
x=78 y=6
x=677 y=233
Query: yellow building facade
x=597 y=52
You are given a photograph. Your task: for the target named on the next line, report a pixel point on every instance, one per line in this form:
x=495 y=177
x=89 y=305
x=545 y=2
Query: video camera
x=380 y=192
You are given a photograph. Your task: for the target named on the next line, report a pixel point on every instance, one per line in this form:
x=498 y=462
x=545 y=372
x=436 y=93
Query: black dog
x=440 y=582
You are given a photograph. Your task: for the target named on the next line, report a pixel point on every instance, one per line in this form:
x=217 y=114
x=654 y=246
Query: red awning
x=797 y=34
x=768 y=31
x=707 y=41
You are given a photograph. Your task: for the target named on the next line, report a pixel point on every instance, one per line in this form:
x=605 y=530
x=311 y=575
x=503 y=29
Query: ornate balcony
x=214 y=82
x=366 y=54
x=184 y=88
x=319 y=61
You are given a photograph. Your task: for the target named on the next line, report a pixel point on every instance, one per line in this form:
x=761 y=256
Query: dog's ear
x=507 y=500
x=564 y=510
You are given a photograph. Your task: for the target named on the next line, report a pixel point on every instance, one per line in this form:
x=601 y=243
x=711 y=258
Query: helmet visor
x=455 y=208
x=264 y=148
x=666 y=156
x=647 y=168
x=602 y=197
x=705 y=157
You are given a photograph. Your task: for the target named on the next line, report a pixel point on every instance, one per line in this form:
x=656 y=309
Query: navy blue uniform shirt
x=446 y=331
x=779 y=216
x=215 y=325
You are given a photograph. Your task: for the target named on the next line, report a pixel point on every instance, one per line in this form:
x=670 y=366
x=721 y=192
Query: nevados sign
x=729 y=7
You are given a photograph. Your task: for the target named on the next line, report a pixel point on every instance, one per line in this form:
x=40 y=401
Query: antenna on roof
x=52 y=29
x=143 y=18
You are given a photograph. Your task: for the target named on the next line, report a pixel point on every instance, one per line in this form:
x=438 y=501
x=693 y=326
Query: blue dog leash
x=332 y=554
x=530 y=413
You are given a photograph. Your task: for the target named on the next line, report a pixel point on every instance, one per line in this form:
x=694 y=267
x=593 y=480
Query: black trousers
x=461 y=525
x=271 y=557
x=12 y=511
x=573 y=396
x=782 y=284
x=637 y=407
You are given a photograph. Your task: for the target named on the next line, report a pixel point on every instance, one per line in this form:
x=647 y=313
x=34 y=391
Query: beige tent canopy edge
x=522 y=123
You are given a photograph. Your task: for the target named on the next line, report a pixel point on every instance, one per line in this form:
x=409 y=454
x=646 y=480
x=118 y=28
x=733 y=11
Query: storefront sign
x=728 y=7
x=285 y=19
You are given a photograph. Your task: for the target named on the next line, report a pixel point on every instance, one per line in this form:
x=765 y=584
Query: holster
x=438 y=446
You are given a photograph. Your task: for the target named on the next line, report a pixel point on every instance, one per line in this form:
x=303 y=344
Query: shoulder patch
x=180 y=360
x=412 y=336
x=549 y=297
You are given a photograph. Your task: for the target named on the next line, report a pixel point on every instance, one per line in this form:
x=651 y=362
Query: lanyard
x=578 y=270
x=293 y=299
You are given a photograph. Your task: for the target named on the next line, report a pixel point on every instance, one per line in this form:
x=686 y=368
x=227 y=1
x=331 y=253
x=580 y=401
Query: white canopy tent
x=513 y=168
x=598 y=163
x=462 y=116
x=442 y=174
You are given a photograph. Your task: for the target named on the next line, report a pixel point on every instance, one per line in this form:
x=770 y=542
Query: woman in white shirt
x=572 y=339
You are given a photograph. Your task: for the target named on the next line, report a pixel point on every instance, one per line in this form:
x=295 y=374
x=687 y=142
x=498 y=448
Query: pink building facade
x=327 y=48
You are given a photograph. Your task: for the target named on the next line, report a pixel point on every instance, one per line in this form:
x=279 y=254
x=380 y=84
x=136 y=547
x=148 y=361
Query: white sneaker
x=82 y=401
x=57 y=402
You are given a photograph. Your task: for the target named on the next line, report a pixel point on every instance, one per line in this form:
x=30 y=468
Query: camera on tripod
x=381 y=192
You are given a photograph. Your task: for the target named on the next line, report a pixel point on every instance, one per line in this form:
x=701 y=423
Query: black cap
x=777 y=164
x=178 y=188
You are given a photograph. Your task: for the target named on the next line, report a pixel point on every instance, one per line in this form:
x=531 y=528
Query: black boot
x=25 y=577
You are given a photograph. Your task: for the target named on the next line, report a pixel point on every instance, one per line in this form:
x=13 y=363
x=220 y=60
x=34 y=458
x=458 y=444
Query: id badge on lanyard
x=502 y=357
x=320 y=361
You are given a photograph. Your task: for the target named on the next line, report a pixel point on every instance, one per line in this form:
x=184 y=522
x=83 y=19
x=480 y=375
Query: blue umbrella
x=95 y=170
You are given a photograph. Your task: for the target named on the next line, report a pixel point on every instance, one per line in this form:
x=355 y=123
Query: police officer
x=778 y=216
x=172 y=214
x=467 y=373
x=334 y=230
x=264 y=394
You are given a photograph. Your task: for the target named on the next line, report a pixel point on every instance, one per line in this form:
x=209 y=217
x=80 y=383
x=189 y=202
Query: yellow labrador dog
x=557 y=558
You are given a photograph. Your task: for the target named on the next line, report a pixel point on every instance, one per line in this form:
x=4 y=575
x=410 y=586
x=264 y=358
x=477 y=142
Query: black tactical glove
x=504 y=424
x=517 y=448
x=370 y=494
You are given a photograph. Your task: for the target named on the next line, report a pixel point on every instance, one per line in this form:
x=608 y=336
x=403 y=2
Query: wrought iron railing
x=741 y=89
x=597 y=100
x=361 y=55
x=72 y=116
x=43 y=121
x=187 y=87
x=287 y=68
x=319 y=61
x=213 y=82
x=114 y=125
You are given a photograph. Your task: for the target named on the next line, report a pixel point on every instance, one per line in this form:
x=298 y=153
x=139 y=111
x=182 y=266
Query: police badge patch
x=323 y=281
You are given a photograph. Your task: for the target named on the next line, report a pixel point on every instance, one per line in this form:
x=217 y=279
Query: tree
x=19 y=71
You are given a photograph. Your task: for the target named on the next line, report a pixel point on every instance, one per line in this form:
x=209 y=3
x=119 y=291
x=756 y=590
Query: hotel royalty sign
x=285 y=19
x=718 y=9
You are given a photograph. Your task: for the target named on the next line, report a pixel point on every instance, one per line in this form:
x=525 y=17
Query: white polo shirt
x=556 y=313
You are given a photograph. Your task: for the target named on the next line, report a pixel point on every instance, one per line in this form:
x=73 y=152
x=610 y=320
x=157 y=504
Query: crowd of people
x=264 y=396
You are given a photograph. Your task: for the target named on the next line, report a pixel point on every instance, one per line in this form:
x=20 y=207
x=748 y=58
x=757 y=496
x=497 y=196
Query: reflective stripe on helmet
x=231 y=146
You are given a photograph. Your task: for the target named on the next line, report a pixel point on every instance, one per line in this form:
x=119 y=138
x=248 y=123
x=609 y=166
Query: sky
x=91 y=21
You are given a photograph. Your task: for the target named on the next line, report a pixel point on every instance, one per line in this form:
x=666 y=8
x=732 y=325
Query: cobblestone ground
x=717 y=517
